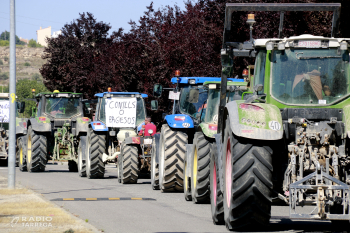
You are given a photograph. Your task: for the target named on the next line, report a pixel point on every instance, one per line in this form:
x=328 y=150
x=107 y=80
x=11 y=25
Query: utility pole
x=12 y=120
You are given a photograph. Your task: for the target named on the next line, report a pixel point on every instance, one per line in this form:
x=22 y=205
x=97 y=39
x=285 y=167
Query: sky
x=31 y=14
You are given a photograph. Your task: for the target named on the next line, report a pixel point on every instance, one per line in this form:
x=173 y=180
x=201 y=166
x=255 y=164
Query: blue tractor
x=113 y=137
x=169 y=147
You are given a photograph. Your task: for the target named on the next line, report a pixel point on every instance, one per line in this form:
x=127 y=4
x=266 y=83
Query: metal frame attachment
x=327 y=191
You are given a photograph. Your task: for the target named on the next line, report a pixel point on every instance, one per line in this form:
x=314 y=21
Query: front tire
x=216 y=196
x=82 y=150
x=154 y=167
x=22 y=163
x=36 y=157
x=200 y=169
x=72 y=166
x=247 y=181
x=95 y=168
x=171 y=159
x=129 y=166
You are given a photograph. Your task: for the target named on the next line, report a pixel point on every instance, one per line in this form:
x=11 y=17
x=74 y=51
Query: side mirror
x=258 y=87
x=21 y=106
x=154 y=105
x=193 y=96
x=157 y=90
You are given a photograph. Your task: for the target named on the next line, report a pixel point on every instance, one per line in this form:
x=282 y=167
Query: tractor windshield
x=140 y=111
x=62 y=107
x=192 y=108
x=310 y=76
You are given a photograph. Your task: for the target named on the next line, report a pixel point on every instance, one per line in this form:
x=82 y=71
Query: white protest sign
x=174 y=96
x=121 y=112
x=4 y=110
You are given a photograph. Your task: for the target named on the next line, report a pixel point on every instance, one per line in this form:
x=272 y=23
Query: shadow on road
x=282 y=224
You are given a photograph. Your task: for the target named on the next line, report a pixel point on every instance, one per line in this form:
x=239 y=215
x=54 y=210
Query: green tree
x=33 y=44
x=6 y=36
x=24 y=92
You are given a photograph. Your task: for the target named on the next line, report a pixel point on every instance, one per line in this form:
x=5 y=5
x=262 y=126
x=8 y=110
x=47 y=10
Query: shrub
x=1 y=63
x=6 y=58
x=4 y=76
x=27 y=64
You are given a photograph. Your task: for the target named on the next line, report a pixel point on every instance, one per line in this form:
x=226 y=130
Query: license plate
x=99 y=127
x=147 y=141
x=309 y=43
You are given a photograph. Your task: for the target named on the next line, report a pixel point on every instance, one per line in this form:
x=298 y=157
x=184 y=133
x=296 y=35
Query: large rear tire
x=21 y=150
x=154 y=167
x=82 y=149
x=247 y=181
x=171 y=159
x=96 y=142
x=129 y=165
x=216 y=196
x=36 y=156
x=200 y=189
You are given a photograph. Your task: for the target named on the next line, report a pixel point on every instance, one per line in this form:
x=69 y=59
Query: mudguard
x=98 y=126
x=156 y=139
x=346 y=119
x=179 y=124
x=255 y=120
x=82 y=126
x=209 y=130
x=21 y=126
x=40 y=126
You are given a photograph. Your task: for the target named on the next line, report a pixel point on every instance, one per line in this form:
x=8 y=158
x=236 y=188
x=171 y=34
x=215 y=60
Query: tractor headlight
x=150 y=131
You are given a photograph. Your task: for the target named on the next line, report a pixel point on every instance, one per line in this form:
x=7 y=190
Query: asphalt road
x=168 y=212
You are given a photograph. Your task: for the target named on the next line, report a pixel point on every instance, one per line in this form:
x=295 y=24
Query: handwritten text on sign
x=121 y=112
x=4 y=111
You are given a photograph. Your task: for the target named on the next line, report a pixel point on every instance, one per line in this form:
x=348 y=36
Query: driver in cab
x=148 y=129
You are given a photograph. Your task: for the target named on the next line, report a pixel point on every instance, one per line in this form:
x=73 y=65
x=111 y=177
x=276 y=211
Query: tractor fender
x=39 y=127
x=156 y=139
x=185 y=122
x=98 y=126
x=209 y=130
x=255 y=120
x=82 y=127
x=21 y=126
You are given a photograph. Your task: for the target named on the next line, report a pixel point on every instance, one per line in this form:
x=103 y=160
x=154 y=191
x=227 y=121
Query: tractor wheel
x=72 y=166
x=129 y=165
x=82 y=150
x=171 y=159
x=247 y=181
x=36 y=156
x=187 y=183
x=22 y=163
x=154 y=168
x=96 y=143
x=216 y=197
x=200 y=189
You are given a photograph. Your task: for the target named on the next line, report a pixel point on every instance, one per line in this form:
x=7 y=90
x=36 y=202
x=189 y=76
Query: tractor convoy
x=282 y=133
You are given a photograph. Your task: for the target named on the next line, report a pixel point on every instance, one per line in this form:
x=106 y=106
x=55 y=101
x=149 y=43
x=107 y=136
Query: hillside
x=28 y=63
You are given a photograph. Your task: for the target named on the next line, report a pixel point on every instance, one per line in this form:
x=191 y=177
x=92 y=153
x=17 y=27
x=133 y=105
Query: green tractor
x=55 y=131
x=290 y=139
x=198 y=154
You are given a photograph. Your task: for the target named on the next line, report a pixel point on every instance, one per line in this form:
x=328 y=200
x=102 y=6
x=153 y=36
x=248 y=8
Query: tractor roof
x=292 y=41
x=235 y=82
x=126 y=94
x=198 y=80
